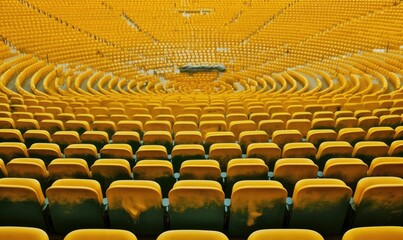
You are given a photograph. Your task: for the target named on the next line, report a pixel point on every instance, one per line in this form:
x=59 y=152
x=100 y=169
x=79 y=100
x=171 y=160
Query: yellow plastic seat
x=351 y=135
x=368 y=122
x=268 y=152
x=205 y=169
x=130 y=125
x=223 y=152
x=237 y=127
x=184 y=126
x=301 y=125
x=118 y=150
x=217 y=137
x=212 y=126
x=396 y=148
x=155 y=125
x=192 y=234
x=65 y=138
x=289 y=171
x=386 y=166
x=88 y=152
x=45 y=151
x=28 y=168
x=282 y=137
x=326 y=200
x=36 y=136
x=11 y=150
x=151 y=152
x=256 y=205
x=128 y=137
x=61 y=168
x=196 y=204
x=107 y=126
x=378 y=202
x=323 y=123
x=369 y=150
x=299 y=150
x=163 y=138
x=52 y=126
x=20 y=198
x=101 y=234
x=78 y=126
x=188 y=137
x=349 y=170
x=318 y=136
x=160 y=171
x=270 y=126
x=332 y=149
x=106 y=171
x=374 y=233
x=75 y=204
x=136 y=206
x=26 y=124
x=248 y=137
x=11 y=135
x=285 y=234
x=383 y=134
x=22 y=233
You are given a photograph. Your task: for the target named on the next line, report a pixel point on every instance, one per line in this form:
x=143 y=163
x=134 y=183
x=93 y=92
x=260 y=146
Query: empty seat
x=318 y=136
x=36 y=136
x=7 y=123
x=75 y=204
x=188 y=137
x=52 y=126
x=160 y=171
x=205 y=169
x=346 y=122
x=217 y=137
x=285 y=234
x=368 y=122
x=98 y=138
x=349 y=170
x=244 y=169
x=155 y=125
x=378 y=202
x=369 y=150
x=100 y=234
x=268 y=152
x=212 y=126
x=332 y=149
x=78 y=126
x=26 y=124
x=162 y=138
x=392 y=120
x=374 y=233
x=11 y=150
x=301 y=125
x=289 y=171
x=383 y=134
x=396 y=149
x=256 y=205
x=3 y=169
x=65 y=138
x=320 y=199
x=106 y=171
x=128 y=137
x=248 y=137
x=185 y=126
x=237 y=127
x=196 y=204
x=130 y=125
x=68 y=168
x=118 y=150
x=270 y=126
x=282 y=137
x=151 y=152
x=223 y=152
x=299 y=150
x=323 y=123
x=351 y=135
x=28 y=168
x=107 y=126
x=88 y=152
x=19 y=198
x=136 y=206
x=45 y=151
x=192 y=234
x=22 y=233
x=184 y=152
x=11 y=135
x=386 y=166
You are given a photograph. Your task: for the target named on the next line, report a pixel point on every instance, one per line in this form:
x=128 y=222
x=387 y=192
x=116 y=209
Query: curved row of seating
x=138 y=206
x=376 y=233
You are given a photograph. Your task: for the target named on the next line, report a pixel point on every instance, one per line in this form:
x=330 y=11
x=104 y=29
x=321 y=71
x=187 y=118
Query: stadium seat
x=320 y=198
x=377 y=202
x=368 y=150
x=11 y=135
x=205 y=169
x=196 y=204
x=20 y=198
x=75 y=204
x=98 y=138
x=45 y=151
x=68 y=168
x=160 y=171
x=282 y=137
x=332 y=149
x=285 y=234
x=374 y=233
x=118 y=150
x=349 y=170
x=224 y=152
x=28 y=168
x=21 y=233
x=88 y=152
x=192 y=234
x=256 y=205
x=65 y=138
x=184 y=152
x=386 y=166
x=101 y=234
x=136 y=206
x=217 y=137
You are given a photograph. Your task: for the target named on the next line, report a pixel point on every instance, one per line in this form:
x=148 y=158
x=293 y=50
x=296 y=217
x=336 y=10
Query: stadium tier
x=196 y=119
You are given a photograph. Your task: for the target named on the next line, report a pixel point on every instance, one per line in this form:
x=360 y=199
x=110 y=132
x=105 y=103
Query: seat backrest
x=386 y=166
x=100 y=234
x=22 y=233
x=136 y=206
x=192 y=234
x=320 y=198
x=196 y=204
x=285 y=234
x=374 y=233
x=255 y=205
x=74 y=204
